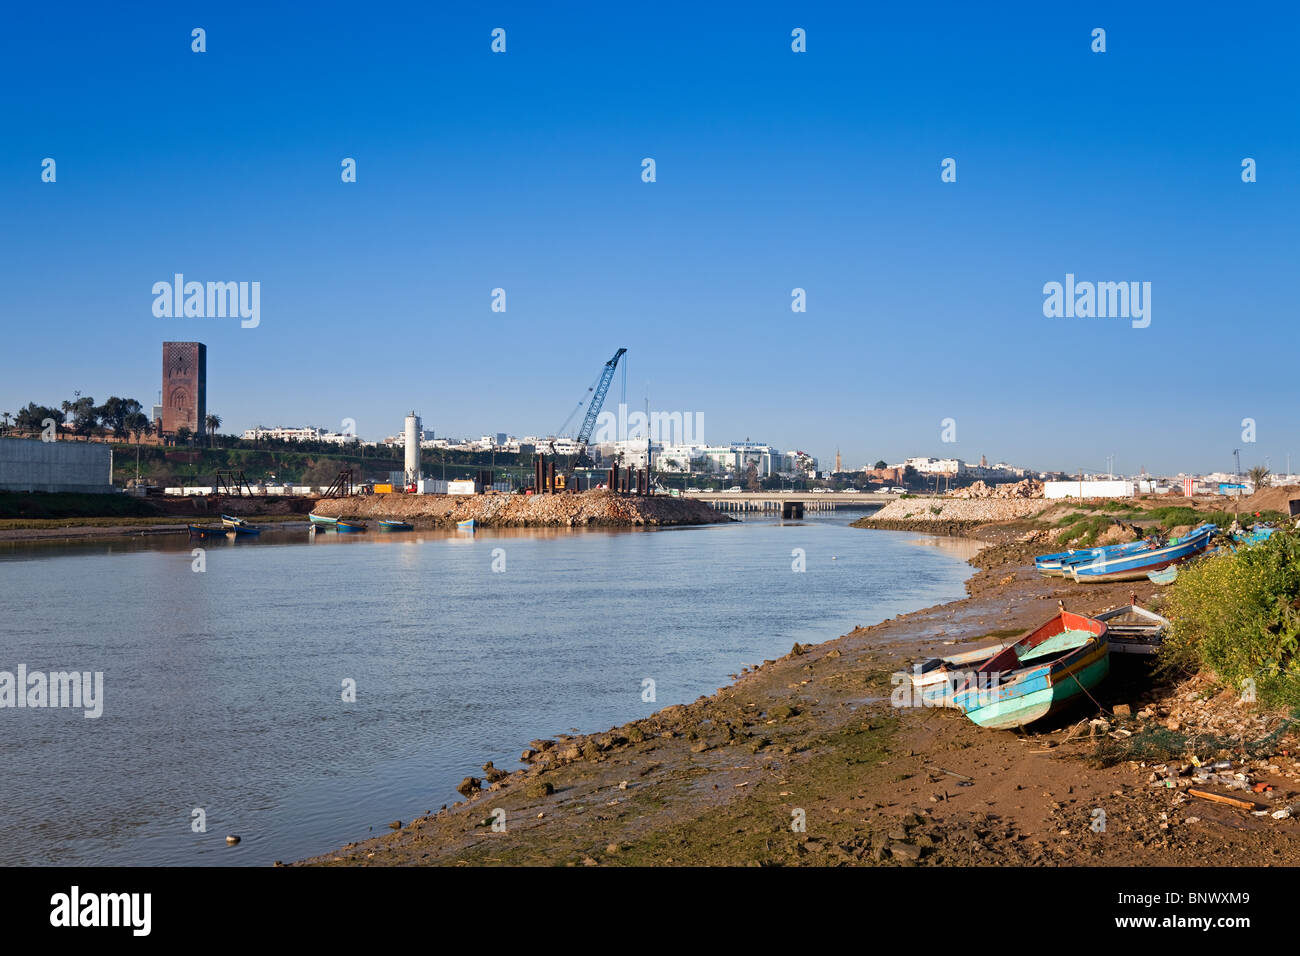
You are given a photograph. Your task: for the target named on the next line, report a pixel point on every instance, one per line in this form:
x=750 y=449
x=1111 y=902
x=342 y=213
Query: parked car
x=819 y=491
x=733 y=490
x=850 y=491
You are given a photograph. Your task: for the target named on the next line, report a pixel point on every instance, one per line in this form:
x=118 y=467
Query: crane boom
x=593 y=409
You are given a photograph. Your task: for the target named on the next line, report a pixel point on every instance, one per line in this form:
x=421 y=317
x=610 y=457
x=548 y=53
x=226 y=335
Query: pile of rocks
x=1026 y=488
x=590 y=508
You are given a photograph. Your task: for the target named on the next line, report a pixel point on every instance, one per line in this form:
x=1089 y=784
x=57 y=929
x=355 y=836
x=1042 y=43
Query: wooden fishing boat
x=200 y=531
x=1132 y=629
x=1054 y=565
x=1041 y=673
x=465 y=525
x=349 y=526
x=322 y=519
x=231 y=521
x=385 y=525
x=935 y=680
x=1134 y=567
x=1164 y=576
x=245 y=529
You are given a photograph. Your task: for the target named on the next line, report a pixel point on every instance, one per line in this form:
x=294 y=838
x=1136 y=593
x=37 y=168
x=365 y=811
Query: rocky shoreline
x=803 y=761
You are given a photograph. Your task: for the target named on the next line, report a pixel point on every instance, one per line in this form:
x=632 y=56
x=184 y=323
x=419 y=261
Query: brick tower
x=184 y=387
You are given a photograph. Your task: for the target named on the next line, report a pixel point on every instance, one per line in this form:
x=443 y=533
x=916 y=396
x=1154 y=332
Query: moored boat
x=322 y=519
x=386 y=525
x=465 y=525
x=1132 y=629
x=1135 y=566
x=231 y=521
x=201 y=531
x=349 y=525
x=1038 y=675
x=245 y=529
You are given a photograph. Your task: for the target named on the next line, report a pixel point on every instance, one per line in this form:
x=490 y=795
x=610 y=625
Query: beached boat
x=385 y=525
x=1041 y=673
x=1054 y=565
x=465 y=525
x=231 y=521
x=199 y=531
x=1134 y=567
x=934 y=680
x=1132 y=629
x=349 y=526
x=1255 y=535
x=321 y=519
x=1165 y=576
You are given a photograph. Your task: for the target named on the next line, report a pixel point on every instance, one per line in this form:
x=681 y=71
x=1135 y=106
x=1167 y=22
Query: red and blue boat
x=1040 y=674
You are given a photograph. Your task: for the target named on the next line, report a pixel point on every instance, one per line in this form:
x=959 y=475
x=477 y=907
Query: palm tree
x=213 y=422
x=1259 y=476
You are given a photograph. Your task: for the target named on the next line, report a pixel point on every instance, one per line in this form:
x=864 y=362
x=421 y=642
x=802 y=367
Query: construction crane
x=598 y=390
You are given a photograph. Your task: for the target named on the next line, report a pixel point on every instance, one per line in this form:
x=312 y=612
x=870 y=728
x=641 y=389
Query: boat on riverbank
x=388 y=525
x=1135 y=566
x=244 y=529
x=1055 y=565
x=935 y=680
x=1132 y=629
x=322 y=519
x=349 y=526
x=232 y=521
x=465 y=525
x=202 y=531
x=1038 y=675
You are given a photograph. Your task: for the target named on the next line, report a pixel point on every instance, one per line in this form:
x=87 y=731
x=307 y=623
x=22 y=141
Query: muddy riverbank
x=803 y=761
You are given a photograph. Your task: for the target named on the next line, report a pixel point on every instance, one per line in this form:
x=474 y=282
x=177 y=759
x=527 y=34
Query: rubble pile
x=1026 y=488
x=587 y=509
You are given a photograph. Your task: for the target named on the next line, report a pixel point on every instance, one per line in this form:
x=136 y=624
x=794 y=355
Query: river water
x=223 y=689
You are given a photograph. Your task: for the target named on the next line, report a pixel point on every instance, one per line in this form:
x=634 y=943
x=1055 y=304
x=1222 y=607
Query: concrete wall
x=67 y=466
x=1088 y=489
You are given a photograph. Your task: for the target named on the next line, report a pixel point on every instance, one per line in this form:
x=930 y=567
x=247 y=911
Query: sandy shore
x=813 y=737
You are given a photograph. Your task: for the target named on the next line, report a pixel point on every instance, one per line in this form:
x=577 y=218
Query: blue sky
x=775 y=170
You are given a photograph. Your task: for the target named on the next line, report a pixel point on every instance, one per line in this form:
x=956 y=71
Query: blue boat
x=199 y=531
x=1041 y=673
x=1255 y=535
x=245 y=529
x=1054 y=565
x=1134 y=567
x=349 y=526
x=385 y=525
x=465 y=525
x=1166 y=576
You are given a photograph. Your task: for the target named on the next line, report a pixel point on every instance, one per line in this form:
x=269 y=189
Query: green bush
x=1238 y=614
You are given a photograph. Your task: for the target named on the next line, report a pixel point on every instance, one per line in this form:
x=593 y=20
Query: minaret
x=837 y=461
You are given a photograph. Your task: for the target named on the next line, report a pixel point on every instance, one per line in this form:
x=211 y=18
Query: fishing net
x=1160 y=745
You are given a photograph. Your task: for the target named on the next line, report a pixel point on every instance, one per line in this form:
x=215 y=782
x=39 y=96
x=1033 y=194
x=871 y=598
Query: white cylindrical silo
x=412 y=448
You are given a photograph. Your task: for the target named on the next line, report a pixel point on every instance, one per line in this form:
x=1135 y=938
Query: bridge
x=778 y=501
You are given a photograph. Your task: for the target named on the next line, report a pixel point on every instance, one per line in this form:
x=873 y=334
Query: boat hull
x=1040 y=674
x=1135 y=567
x=395 y=526
x=321 y=519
